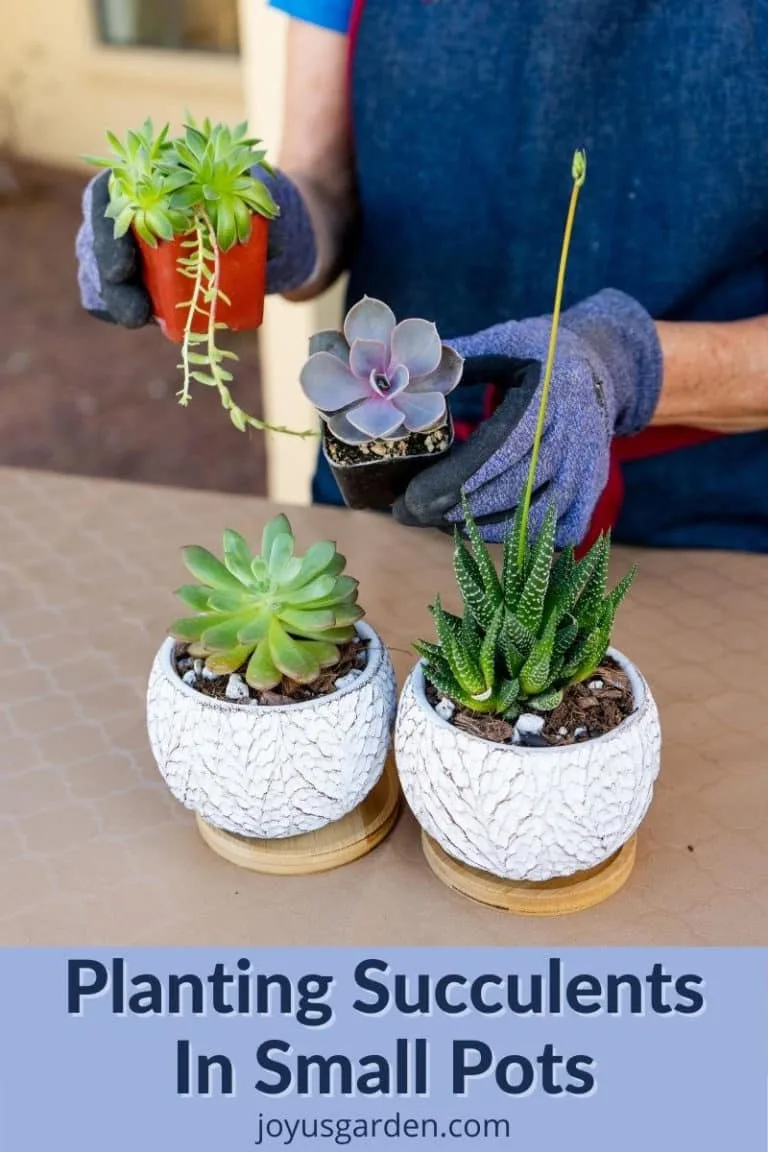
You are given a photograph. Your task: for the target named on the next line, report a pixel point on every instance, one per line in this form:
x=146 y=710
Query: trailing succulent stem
x=539 y=625
x=271 y=615
x=202 y=360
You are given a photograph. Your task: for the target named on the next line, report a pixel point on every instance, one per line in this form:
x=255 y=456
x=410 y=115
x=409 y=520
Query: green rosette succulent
x=161 y=186
x=274 y=614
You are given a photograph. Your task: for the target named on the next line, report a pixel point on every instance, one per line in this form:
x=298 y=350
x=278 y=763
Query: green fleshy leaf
x=441 y=677
x=428 y=651
x=344 y=590
x=530 y=608
x=347 y=613
x=325 y=653
x=243 y=221
x=223 y=662
x=293 y=658
x=317 y=561
x=513 y=657
x=447 y=625
x=313 y=593
x=534 y=675
x=517 y=635
x=262 y=671
x=482 y=558
x=465 y=667
x=277 y=526
x=226 y=228
x=231 y=602
x=280 y=554
x=591 y=600
x=547 y=701
x=299 y=620
x=336 y=565
x=194 y=596
x=589 y=651
x=470 y=584
x=507 y=697
x=471 y=636
x=191 y=628
x=512 y=575
x=256 y=627
x=204 y=566
x=565 y=637
x=238 y=556
x=225 y=633
x=559 y=578
x=158 y=221
x=488 y=648
x=333 y=635
x=579 y=578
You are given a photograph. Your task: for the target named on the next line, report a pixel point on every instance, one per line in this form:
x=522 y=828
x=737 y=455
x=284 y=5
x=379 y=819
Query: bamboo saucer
x=558 y=897
x=336 y=844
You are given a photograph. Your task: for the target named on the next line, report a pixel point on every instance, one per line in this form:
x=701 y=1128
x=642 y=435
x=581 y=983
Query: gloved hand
x=605 y=383
x=109 y=270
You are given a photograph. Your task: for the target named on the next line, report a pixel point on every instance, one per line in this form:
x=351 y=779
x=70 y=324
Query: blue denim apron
x=466 y=114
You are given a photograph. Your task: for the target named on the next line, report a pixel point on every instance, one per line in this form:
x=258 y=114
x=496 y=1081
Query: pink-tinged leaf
x=376 y=418
x=329 y=384
x=330 y=341
x=444 y=378
x=399 y=380
x=421 y=411
x=341 y=428
x=369 y=319
x=416 y=344
x=367 y=356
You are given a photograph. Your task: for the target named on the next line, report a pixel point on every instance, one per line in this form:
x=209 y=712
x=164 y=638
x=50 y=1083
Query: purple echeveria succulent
x=380 y=380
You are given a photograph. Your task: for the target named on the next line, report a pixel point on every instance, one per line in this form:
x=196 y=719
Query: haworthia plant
x=527 y=633
x=539 y=625
x=273 y=614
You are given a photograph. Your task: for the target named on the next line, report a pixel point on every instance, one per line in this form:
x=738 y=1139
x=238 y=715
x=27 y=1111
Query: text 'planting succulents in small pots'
x=527 y=747
x=270 y=707
x=381 y=388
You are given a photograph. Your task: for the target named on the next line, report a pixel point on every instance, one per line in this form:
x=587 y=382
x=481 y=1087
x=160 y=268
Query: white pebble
x=236 y=688
x=595 y=685
x=580 y=732
x=562 y=731
x=190 y=677
x=445 y=708
x=348 y=680
x=208 y=675
x=529 y=725
x=198 y=666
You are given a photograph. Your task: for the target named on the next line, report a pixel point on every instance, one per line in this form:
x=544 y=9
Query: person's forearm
x=715 y=375
x=316 y=148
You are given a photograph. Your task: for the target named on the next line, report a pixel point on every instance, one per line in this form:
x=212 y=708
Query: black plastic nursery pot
x=372 y=476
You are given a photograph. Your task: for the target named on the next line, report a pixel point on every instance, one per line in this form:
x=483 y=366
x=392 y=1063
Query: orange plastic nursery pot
x=242 y=281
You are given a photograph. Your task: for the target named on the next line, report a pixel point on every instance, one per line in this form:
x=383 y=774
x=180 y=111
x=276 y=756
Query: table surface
x=96 y=852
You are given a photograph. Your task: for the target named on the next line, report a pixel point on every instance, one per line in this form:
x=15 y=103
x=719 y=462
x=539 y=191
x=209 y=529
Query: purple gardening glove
x=109 y=270
x=606 y=382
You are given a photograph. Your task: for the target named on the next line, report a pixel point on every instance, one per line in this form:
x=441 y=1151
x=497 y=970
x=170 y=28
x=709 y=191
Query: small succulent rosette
x=379 y=379
x=261 y=621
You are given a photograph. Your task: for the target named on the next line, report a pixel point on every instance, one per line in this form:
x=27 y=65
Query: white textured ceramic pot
x=527 y=813
x=271 y=771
